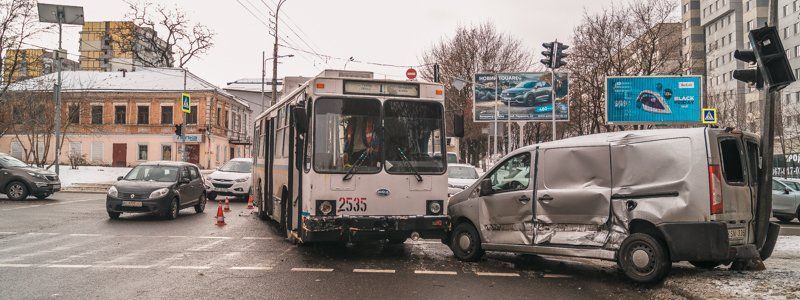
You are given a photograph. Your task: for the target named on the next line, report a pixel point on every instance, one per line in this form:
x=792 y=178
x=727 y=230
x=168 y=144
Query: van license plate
x=737 y=233
x=132 y=203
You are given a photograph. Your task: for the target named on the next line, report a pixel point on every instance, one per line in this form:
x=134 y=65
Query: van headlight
x=112 y=191
x=243 y=179
x=434 y=207
x=159 y=193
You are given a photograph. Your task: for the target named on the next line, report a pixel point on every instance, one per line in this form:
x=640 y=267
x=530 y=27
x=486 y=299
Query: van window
x=513 y=175
x=731 y=157
x=753 y=161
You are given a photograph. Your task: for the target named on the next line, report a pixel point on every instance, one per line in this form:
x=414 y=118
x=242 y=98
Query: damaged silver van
x=644 y=199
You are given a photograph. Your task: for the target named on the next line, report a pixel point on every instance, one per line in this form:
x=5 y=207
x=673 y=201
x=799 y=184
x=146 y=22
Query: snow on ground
x=779 y=281
x=89 y=174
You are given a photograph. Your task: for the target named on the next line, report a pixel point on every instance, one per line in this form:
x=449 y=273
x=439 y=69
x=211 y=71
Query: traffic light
x=179 y=129
x=772 y=65
x=554 y=55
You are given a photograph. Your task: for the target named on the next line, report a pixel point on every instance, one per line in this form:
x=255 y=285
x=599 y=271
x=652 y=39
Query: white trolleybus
x=346 y=157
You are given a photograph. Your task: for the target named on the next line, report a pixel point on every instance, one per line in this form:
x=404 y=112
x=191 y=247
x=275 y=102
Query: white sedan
x=231 y=179
x=460 y=177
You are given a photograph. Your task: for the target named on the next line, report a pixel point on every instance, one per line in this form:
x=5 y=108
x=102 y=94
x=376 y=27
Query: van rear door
x=729 y=172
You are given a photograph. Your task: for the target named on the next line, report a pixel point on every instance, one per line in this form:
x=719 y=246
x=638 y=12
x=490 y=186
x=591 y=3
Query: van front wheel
x=466 y=243
x=643 y=258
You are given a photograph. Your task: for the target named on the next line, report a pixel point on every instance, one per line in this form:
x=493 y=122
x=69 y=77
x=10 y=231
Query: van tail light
x=715 y=189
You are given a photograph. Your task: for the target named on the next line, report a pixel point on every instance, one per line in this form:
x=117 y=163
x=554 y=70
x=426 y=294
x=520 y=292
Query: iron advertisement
x=654 y=99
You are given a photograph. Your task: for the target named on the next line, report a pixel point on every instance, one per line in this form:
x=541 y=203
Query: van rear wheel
x=643 y=258
x=466 y=243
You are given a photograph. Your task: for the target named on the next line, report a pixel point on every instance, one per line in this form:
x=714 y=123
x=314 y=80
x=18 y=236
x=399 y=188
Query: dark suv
x=162 y=187
x=18 y=180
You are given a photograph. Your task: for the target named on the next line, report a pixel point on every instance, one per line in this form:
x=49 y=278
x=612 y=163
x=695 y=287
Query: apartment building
x=693 y=39
x=126 y=118
x=20 y=64
x=121 y=45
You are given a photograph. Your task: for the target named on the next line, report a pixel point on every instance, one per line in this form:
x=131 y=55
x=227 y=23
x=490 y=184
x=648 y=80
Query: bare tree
x=181 y=40
x=470 y=50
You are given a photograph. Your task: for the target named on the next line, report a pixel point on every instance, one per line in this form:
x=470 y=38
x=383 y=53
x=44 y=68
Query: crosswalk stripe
x=251 y=268
x=373 y=271
x=123 y=266
x=428 y=272
x=15 y=265
x=256 y=238
x=68 y=266
x=312 y=270
x=498 y=274
x=190 y=267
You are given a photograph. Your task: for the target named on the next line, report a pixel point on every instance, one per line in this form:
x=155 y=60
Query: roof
x=619 y=137
x=142 y=80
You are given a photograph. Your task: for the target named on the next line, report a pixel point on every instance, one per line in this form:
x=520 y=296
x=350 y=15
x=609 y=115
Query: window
x=142 y=153
x=192 y=116
x=730 y=155
x=166 y=152
x=17 y=151
x=166 y=115
x=74 y=111
x=143 y=115
x=344 y=135
x=194 y=173
x=97 y=151
x=219 y=116
x=75 y=149
x=119 y=114
x=97 y=114
x=777 y=186
x=513 y=175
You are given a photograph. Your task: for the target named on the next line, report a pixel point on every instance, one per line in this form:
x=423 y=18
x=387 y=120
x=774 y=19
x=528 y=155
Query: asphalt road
x=67 y=247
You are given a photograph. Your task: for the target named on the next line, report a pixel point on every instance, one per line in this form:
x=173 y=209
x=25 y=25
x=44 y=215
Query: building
x=121 y=45
x=693 y=38
x=125 y=118
x=249 y=90
x=20 y=64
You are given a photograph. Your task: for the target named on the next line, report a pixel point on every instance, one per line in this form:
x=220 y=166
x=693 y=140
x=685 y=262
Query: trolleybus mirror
x=458 y=126
x=300 y=119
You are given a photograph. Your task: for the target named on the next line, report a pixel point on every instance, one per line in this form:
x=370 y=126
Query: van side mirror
x=300 y=120
x=486 y=187
x=458 y=126
x=119 y=178
x=185 y=180
x=786 y=191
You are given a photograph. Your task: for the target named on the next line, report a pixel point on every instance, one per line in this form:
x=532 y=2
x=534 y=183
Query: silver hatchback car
x=785 y=199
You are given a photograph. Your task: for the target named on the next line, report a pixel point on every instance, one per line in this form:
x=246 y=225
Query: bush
x=76 y=160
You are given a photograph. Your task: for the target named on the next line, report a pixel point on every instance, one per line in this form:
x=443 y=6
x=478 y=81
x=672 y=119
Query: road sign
x=653 y=99
x=186 y=103
x=710 y=116
x=411 y=73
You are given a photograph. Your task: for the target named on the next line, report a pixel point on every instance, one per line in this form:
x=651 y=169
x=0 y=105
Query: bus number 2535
x=352 y=204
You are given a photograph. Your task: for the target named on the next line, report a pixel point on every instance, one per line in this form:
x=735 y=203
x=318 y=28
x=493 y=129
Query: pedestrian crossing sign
x=710 y=116
x=186 y=103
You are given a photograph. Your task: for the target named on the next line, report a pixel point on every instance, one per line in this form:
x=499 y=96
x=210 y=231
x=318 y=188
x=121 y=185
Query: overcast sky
x=391 y=32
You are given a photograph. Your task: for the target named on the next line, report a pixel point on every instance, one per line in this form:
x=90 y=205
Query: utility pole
x=275 y=54
x=184 y=156
x=496 y=91
x=58 y=97
x=263 y=74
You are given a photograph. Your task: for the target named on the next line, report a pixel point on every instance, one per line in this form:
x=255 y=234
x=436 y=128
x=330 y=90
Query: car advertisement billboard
x=526 y=96
x=654 y=99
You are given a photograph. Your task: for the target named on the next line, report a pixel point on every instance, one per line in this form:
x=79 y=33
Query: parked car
x=644 y=199
x=452 y=157
x=163 y=187
x=528 y=93
x=18 y=180
x=231 y=179
x=785 y=200
x=460 y=177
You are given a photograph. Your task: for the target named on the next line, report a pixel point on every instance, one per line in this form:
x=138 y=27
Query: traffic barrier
x=250 y=202
x=220 y=215
x=227 y=204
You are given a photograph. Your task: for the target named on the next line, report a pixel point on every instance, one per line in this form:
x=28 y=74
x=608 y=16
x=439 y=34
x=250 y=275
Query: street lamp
x=59 y=14
x=263 y=74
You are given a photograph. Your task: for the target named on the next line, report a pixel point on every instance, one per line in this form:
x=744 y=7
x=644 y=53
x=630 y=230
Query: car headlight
x=243 y=179
x=37 y=175
x=112 y=191
x=159 y=193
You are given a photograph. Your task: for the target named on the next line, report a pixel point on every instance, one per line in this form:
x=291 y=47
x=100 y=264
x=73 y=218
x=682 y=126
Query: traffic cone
x=250 y=202
x=220 y=215
x=227 y=204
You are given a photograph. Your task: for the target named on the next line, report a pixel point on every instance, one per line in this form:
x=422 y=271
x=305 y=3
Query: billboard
x=654 y=99
x=523 y=96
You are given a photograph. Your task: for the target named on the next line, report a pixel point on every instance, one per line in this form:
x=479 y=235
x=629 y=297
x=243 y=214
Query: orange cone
x=250 y=202
x=220 y=215
x=227 y=204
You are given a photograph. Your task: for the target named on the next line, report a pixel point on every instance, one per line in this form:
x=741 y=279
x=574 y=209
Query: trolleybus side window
x=279 y=135
x=413 y=132
x=347 y=135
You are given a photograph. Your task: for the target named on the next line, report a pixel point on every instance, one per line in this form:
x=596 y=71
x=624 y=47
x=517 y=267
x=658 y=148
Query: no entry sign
x=411 y=73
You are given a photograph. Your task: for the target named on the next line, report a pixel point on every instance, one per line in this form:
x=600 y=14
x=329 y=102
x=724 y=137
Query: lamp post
x=59 y=14
x=263 y=74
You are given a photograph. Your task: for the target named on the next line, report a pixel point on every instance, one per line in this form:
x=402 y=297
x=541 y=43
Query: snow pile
x=89 y=174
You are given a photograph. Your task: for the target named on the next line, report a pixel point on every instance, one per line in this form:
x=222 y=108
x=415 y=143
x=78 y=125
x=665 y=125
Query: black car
x=163 y=188
x=19 y=180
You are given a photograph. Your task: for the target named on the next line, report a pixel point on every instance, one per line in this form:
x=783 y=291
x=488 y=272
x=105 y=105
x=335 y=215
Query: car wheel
x=466 y=243
x=114 y=215
x=172 y=213
x=705 y=264
x=643 y=258
x=201 y=204
x=42 y=196
x=784 y=219
x=530 y=101
x=16 y=191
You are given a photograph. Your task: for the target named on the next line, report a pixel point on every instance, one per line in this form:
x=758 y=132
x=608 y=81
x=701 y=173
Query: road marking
x=123 y=266
x=214 y=237
x=251 y=268
x=426 y=272
x=43 y=233
x=256 y=238
x=497 y=274
x=191 y=267
x=373 y=271
x=7 y=233
x=84 y=234
x=556 y=276
x=177 y=236
x=15 y=265
x=57 y=203
x=312 y=270
x=68 y=266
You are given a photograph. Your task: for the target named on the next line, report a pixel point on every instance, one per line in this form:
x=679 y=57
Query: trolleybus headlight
x=325 y=207
x=434 y=207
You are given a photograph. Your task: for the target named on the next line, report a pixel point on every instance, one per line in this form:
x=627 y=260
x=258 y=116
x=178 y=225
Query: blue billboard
x=654 y=99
